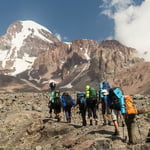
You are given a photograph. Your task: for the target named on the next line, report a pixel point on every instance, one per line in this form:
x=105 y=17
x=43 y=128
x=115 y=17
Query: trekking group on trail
x=114 y=106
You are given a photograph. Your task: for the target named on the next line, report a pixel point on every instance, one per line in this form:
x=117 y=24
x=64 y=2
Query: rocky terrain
x=25 y=125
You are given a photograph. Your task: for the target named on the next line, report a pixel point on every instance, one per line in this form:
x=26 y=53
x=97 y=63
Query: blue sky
x=127 y=21
x=71 y=19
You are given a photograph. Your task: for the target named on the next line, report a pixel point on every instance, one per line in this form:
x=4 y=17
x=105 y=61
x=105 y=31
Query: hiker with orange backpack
x=130 y=119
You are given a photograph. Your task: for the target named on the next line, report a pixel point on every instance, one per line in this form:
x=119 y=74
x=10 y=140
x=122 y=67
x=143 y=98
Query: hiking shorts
x=115 y=114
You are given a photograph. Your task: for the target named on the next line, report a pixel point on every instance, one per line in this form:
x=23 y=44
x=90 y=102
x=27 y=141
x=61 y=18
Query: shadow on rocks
x=101 y=132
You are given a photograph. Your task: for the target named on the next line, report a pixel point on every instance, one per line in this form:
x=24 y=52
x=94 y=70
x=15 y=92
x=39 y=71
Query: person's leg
x=115 y=122
x=95 y=114
x=90 y=114
x=50 y=110
x=58 y=112
x=83 y=114
x=66 y=113
x=104 y=113
x=109 y=118
x=69 y=113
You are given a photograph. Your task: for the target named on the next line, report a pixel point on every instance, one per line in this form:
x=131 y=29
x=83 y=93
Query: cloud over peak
x=132 y=23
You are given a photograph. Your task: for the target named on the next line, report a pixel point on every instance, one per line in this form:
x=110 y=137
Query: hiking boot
x=84 y=123
x=58 y=119
x=104 y=124
x=91 y=123
x=109 y=123
x=50 y=116
x=68 y=120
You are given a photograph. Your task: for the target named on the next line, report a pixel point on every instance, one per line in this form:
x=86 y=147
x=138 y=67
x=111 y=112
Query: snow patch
x=23 y=64
x=3 y=54
x=86 y=54
x=69 y=85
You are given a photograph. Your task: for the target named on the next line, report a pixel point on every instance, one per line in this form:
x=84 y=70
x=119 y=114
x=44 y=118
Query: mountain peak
x=33 y=24
x=24 y=41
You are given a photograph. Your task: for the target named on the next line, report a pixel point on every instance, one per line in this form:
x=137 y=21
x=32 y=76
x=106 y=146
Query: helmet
x=52 y=85
x=87 y=87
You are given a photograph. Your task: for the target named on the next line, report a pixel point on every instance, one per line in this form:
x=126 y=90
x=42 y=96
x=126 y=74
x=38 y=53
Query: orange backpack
x=130 y=109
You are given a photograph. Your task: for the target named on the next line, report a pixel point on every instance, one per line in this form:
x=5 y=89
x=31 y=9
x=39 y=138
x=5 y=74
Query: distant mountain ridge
x=35 y=56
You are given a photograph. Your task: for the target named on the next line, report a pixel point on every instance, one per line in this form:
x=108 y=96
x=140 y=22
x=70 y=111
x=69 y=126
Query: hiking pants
x=57 y=109
x=67 y=110
x=82 y=108
x=51 y=107
x=92 y=108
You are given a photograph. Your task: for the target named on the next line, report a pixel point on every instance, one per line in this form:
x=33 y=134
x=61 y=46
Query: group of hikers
x=114 y=106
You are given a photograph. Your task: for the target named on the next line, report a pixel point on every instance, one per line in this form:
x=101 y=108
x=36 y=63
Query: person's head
x=106 y=84
x=52 y=85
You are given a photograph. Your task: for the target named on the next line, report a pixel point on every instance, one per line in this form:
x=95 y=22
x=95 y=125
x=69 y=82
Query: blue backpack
x=116 y=99
x=81 y=98
x=67 y=100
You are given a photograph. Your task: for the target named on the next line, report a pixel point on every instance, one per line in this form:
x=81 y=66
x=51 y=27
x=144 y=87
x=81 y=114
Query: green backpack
x=55 y=97
x=93 y=93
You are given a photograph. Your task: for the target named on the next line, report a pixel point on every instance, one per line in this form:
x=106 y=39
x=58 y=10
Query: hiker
x=116 y=104
x=55 y=102
x=52 y=87
x=130 y=119
x=92 y=104
x=67 y=103
x=103 y=95
x=81 y=101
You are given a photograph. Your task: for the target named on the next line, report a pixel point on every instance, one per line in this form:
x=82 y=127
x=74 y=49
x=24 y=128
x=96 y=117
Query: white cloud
x=132 y=23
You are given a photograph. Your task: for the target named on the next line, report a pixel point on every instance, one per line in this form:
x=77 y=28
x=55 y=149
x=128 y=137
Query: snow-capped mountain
x=34 y=57
x=21 y=45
